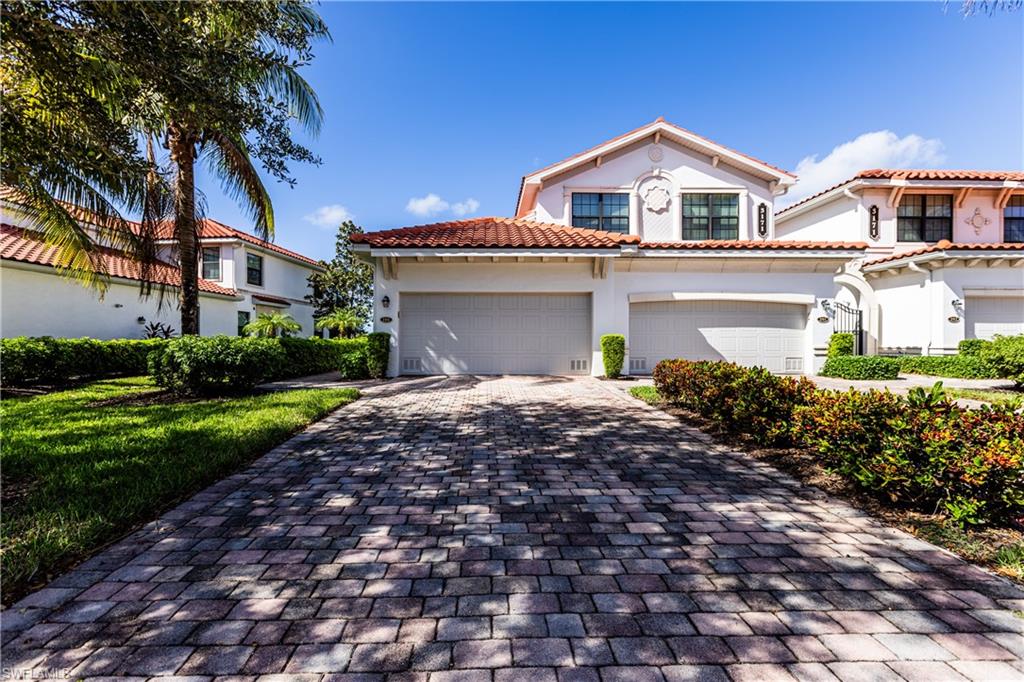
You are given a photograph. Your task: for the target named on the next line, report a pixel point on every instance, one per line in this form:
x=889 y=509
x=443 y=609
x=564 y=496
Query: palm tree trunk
x=183 y=153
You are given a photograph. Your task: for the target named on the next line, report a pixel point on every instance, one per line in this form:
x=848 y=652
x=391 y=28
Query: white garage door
x=770 y=335
x=985 y=317
x=494 y=334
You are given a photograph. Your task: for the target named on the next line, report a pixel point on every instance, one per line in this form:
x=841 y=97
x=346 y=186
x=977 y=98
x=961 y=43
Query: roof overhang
x=757 y=297
x=236 y=241
x=657 y=130
x=944 y=258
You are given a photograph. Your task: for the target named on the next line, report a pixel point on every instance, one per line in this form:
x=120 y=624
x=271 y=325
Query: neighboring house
x=659 y=234
x=240 y=277
x=945 y=255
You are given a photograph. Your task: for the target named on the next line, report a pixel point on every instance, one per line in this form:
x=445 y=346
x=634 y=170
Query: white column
x=676 y=212
x=634 y=212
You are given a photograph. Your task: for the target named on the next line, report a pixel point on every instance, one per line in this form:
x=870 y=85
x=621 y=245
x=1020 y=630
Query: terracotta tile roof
x=915 y=174
x=495 y=233
x=21 y=245
x=741 y=244
x=931 y=174
x=945 y=245
x=211 y=229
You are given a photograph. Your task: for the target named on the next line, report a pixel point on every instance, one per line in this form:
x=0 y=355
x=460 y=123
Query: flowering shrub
x=737 y=399
x=921 y=451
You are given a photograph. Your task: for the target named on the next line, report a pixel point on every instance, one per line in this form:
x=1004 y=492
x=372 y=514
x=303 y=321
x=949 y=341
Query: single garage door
x=985 y=317
x=771 y=335
x=494 y=334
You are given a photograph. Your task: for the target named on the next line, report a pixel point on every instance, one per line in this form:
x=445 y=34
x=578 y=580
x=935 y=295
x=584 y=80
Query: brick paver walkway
x=517 y=528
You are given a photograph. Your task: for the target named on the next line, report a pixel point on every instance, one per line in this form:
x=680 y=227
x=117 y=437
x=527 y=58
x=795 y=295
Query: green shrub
x=737 y=399
x=921 y=451
x=955 y=366
x=613 y=352
x=217 y=364
x=378 y=348
x=971 y=346
x=840 y=344
x=45 y=360
x=1004 y=355
x=352 y=360
x=318 y=356
x=861 y=367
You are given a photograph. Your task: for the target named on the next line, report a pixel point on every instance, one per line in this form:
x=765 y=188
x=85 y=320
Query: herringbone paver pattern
x=517 y=529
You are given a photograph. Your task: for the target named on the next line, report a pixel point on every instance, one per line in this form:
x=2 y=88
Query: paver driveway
x=518 y=528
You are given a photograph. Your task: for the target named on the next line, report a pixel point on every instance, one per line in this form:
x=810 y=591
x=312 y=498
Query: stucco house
x=659 y=234
x=944 y=259
x=241 y=276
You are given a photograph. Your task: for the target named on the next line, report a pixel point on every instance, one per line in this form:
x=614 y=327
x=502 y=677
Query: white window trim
x=742 y=233
x=634 y=197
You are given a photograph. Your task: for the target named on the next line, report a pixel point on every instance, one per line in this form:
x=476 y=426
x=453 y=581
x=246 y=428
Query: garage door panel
x=494 y=333
x=985 y=317
x=771 y=335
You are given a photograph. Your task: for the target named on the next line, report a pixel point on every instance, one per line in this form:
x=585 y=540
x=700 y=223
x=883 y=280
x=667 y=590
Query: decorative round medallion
x=656 y=199
x=977 y=221
x=655 y=153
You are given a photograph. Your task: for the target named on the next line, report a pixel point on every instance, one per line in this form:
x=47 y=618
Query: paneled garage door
x=985 y=317
x=771 y=335
x=494 y=334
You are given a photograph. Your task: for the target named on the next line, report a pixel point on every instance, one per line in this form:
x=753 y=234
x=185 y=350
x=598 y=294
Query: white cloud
x=432 y=204
x=331 y=216
x=465 y=207
x=878 y=149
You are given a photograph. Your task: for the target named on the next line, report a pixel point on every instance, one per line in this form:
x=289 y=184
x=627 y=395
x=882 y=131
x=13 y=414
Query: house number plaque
x=386 y=319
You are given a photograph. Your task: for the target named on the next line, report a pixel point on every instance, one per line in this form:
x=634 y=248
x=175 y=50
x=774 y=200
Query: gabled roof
x=945 y=246
x=494 y=233
x=211 y=229
x=913 y=174
x=532 y=181
x=746 y=244
x=24 y=246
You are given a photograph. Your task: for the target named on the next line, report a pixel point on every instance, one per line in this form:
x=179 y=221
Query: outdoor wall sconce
x=386 y=302
x=873 y=222
x=140 y=319
x=958 y=306
x=826 y=305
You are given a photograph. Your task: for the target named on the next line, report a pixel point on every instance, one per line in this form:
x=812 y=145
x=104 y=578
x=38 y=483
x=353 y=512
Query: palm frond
x=229 y=160
x=305 y=17
x=284 y=82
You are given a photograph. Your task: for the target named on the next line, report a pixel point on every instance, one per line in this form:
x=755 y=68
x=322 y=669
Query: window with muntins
x=924 y=218
x=211 y=262
x=601 y=211
x=711 y=216
x=254 y=269
x=1013 y=219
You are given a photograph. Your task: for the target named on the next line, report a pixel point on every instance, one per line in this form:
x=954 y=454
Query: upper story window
x=711 y=216
x=211 y=262
x=254 y=269
x=925 y=218
x=1013 y=219
x=601 y=211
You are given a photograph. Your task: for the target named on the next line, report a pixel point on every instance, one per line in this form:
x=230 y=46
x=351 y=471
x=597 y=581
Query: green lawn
x=1014 y=399
x=76 y=475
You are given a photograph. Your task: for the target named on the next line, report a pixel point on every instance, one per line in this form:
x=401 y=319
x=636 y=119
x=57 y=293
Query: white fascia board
x=772 y=253
x=761 y=297
x=951 y=254
x=235 y=241
x=994 y=292
x=835 y=193
x=488 y=253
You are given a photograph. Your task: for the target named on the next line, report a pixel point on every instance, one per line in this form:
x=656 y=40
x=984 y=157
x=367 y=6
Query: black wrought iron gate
x=848 y=320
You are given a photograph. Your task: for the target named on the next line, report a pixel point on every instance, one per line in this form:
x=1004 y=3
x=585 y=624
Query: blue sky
x=460 y=100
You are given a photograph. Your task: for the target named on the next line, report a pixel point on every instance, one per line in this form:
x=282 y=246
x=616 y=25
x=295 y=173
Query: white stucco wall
x=609 y=296
x=683 y=170
x=39 y=302
x=834 y=221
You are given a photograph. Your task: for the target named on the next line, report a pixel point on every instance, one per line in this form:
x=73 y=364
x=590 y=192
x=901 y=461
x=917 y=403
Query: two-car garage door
x=771 y=335
x=494 y=334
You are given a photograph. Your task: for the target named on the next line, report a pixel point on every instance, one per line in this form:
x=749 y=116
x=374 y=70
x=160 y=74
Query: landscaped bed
x=951 y=476
x=83 y=466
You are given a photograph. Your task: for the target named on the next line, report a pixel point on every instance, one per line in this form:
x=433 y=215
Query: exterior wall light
x=386 y=302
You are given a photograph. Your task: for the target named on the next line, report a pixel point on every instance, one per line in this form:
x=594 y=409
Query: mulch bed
x=805 y=467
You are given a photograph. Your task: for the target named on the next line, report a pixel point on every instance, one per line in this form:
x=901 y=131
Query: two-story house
x=241 y=276
x=658 y=234
x=944 y=259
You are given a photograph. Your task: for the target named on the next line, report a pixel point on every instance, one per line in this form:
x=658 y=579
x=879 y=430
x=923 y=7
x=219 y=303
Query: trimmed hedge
x=1004 y=355
x=920 y=451
x=971 y=346
x=613 y=353
x=840 y=344
x=860 y=367
x=378 y=349
x=737 y=399
x=26 y=361
x=954 y=366
x=318 y=356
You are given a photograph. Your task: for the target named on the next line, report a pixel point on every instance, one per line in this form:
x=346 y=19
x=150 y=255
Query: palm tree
x=343 y=321
x=271 y=325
